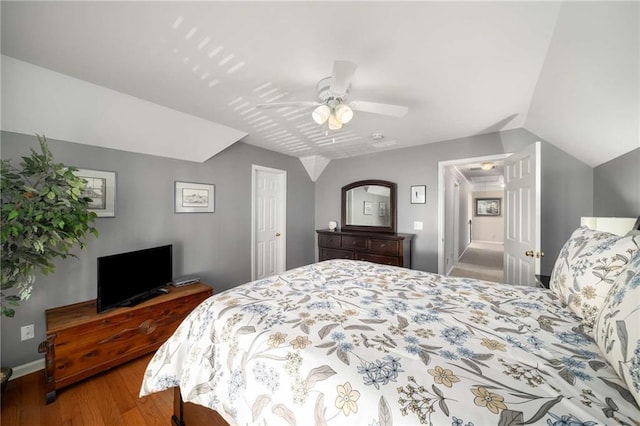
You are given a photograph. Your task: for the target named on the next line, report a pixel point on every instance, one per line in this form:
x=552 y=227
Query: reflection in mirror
x=368 y=206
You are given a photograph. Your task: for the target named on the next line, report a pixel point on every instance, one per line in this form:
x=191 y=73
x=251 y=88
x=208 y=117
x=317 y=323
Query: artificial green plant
x=44 y=215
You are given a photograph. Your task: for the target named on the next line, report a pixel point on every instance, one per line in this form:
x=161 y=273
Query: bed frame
x=190 y=414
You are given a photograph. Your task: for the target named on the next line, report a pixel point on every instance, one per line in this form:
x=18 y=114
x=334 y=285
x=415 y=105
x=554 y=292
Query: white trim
x=442 y=165
x=28 y=368
x=283 y=217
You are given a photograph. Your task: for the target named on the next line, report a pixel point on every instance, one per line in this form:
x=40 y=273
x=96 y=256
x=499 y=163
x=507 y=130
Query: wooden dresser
x=385 y=248
x=81 y=342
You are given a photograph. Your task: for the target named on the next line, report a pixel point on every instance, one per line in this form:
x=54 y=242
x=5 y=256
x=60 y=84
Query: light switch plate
x=417 y=226
x=27 y=332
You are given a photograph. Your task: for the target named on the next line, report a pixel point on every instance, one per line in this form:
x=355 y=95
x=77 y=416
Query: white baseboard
x=28 y=368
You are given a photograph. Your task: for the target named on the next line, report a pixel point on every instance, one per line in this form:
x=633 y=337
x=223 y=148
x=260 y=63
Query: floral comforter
x=349 y=342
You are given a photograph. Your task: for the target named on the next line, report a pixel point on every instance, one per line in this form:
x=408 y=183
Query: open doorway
x=471 y=218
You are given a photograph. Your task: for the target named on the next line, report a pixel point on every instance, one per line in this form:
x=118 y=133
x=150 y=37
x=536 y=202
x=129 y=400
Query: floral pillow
x=617 y=328
x=587 y=267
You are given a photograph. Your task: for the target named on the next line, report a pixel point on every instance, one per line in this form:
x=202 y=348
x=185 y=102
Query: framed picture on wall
x=488 y=206
x=418 y=194
x=367 y=208
x=193 y=197
x=382 y=209
x=100 y=187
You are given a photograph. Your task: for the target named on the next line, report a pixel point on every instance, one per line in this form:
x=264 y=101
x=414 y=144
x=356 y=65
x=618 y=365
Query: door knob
x=531 y=253
x=277 y=234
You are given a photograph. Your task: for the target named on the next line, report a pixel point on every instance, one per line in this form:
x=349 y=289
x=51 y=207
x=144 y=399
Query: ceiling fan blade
x=378 y=108
x=343 y=72
x=292 y=104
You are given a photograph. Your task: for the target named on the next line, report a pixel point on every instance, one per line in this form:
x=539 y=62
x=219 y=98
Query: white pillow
x=617 y=328
x=587 y=267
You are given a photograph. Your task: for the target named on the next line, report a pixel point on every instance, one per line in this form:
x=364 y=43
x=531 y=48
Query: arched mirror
x=369 y=205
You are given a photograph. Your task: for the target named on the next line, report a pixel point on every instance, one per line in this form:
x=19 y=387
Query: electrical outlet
x=27 y=332
x=417 y=226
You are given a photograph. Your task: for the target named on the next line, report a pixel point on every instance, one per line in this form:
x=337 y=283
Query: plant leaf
x=621 y=329
x=319 y=411
x=544 y=409
x=624 y=392
x=258 y=405
x=318 y=374
x=510 y=418
x=281 y=411
x=326 y=330
x=384 y=413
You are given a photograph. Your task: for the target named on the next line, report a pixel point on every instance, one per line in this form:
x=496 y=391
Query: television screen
x=125 y=279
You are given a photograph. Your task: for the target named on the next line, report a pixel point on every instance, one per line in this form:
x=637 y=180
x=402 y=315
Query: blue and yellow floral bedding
x=349 y=342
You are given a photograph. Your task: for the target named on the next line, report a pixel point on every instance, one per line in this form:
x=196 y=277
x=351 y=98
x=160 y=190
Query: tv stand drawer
x=81 y=342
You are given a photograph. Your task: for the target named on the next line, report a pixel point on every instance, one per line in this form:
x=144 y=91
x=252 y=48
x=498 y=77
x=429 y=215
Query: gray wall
x=216 y=247
x=411 y=166
x=616 y=185
x=567 y=194
x=567 y=188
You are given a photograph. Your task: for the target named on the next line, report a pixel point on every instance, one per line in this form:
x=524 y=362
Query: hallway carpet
x=481 y=260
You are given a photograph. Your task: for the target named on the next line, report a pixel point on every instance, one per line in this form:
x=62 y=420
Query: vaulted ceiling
x=567 y=72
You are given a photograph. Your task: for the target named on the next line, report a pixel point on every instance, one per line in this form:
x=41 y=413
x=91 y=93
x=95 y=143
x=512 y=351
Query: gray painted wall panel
x=567 y=188
x=411 y=166
x=617 y=186
x=567 y=194
x=216 y=247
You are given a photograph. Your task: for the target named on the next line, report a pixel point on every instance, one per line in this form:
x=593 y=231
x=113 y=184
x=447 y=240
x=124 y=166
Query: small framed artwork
x=382 y=209
x=368 y=208
x=100 y=187
x=418 y=194
x=488 y=206
x=193 y=197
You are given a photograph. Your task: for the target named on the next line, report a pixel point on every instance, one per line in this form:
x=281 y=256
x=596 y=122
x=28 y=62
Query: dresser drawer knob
x=148 y=326
x=382 y=245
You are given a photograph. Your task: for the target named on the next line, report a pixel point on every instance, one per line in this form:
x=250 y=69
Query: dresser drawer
x=100 y=342
x=326 y=254
x=329 y=240
x=354 y=242
x=384 y=246
x=376 y=258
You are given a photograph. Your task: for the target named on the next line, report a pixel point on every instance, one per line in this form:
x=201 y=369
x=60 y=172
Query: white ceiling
x=566 y=72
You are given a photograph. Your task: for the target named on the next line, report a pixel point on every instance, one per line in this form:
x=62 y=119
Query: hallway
x=481 y=260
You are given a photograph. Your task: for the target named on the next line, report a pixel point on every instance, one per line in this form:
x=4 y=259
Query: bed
x=352 y=342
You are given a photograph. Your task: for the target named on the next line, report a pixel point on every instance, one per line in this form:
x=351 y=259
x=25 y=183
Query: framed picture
x=368 y=208
x=100 y=186
x=418 y=194
x=382 y=209
x=488 y=206
x=194 y=197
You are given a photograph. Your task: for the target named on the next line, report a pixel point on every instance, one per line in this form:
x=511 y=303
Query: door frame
x=442 y=165
x=282 y=248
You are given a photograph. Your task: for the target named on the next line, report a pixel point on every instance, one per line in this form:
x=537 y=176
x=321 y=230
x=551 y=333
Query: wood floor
x=108 y=399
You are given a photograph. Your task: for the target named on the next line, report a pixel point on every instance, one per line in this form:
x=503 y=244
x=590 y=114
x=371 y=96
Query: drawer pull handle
x=148 y=326
x=382 y=245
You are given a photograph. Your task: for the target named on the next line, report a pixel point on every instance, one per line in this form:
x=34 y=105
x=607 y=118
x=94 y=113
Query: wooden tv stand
x=81 y=342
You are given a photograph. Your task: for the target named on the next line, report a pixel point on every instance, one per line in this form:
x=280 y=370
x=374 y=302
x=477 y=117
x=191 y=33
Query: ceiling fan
x=332 y=107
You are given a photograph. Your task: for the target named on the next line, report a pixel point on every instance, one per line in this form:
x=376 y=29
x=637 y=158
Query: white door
x=456 y=222
x=268 y=219
x=522 y=216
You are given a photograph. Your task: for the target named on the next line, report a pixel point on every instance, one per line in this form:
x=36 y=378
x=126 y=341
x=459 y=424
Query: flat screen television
x=125 y=279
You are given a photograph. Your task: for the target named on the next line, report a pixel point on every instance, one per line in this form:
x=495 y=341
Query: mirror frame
x=392 y=206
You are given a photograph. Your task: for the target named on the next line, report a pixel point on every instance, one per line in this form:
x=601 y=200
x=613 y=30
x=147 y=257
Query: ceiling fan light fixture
x=343 y=113
x=321 y=114
x=487 y=165
x=334 y=123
